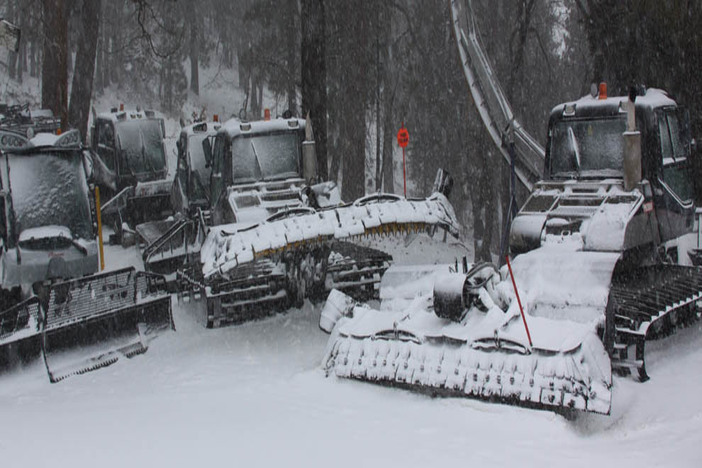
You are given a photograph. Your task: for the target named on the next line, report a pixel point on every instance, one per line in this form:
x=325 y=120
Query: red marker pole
x=521 y=309
x=404 y=173
x=402 y=141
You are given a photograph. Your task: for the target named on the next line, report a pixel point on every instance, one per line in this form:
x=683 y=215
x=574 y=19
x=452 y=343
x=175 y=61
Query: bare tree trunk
x=194 y=54
x=378 y=160
x=12 y=57
x=354 y=88
x=22 y=55
x=82 y=88
x=292 y=54
x=314 y=76
x=388 y=138
x=54 y=79
x=253 y=96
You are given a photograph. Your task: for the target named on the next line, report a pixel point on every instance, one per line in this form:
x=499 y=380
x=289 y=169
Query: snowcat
x=594 y=273
x=131 y=168
x=274 y=234
x=54 y=301
x=173 y=243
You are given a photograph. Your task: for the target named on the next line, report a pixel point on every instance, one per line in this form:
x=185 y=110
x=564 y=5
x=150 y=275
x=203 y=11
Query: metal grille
x=19 y=321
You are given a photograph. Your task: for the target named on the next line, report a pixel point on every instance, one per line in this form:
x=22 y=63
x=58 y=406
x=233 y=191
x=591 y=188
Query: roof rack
x=19 y=118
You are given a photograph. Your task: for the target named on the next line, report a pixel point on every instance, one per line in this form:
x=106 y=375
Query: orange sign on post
x=403 y=137
x=402 y=141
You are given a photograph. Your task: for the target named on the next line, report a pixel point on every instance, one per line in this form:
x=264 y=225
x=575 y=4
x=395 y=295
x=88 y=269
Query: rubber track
x=647 y=303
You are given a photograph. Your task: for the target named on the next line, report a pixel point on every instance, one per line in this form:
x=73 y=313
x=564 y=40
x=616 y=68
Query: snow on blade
x=226 y=247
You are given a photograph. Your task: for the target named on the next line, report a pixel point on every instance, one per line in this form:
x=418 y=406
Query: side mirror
x=207 y=149
x=309 y=161
x=88 y=164
x=443 y=183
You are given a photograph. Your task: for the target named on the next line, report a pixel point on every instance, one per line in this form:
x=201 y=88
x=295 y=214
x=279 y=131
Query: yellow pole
x=99 y=226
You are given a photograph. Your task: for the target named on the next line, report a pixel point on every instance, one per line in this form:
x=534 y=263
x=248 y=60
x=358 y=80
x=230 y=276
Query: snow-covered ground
x=256 y=394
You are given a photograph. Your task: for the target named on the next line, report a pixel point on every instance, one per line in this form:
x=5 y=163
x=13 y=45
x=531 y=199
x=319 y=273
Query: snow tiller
x=461 y=334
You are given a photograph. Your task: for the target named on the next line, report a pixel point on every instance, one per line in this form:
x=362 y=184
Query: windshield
x=265 y=157
x=141 y=142
x=50 y=189
x=587 y=147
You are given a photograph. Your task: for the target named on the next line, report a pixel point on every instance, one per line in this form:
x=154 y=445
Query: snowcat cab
x=222 y=163
x=53 y=297
x=585 y=150
x=47 y=230
x=257 y=171
x=131 y=167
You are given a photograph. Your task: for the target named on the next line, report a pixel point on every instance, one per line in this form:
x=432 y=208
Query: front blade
x=19 y=332
x=91 y=322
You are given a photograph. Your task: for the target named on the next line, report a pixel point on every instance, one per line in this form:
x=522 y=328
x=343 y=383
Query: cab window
x=675 y=150
x=216 y=182
x=106 y=143
x=182 y=169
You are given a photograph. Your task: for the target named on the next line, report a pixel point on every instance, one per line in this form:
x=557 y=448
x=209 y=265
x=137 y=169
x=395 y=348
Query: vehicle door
x=179 y=193
x=674 y=201
x=107 y=165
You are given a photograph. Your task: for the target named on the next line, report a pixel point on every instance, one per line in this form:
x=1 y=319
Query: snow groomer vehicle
x=593 y=275
x=55 y=301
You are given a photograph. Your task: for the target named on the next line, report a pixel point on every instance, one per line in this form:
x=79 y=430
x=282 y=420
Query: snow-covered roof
x=235 y=127
x=10 y=140
x=130 y=114
x=653 y=98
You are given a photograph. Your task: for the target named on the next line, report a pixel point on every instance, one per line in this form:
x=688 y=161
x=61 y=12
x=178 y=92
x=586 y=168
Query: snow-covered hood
x=37 y=258
x=253 y=203
x=592 y=215
x=45 y=232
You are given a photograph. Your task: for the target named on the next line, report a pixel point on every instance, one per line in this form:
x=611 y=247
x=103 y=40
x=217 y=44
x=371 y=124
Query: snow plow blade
x=91 y=322
x=226 y=248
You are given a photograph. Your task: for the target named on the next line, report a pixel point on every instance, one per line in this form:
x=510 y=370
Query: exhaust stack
x=632 y=145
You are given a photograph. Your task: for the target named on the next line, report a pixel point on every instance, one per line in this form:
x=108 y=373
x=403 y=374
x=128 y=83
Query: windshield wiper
x=283 y=176
x=144 y=159
x=258 y=161
x=565 y=174
x=576 y=150
x=125 y=158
